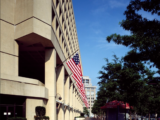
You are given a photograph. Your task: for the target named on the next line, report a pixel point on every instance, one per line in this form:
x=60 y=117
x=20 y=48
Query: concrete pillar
x=74 y=102
x=50 y=82
x=67 y=96
x=71 y=99
x=60 y=90
x=31 y=104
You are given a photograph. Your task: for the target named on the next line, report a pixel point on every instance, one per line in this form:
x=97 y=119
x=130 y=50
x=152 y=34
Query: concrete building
x=90 y=93
x=37 y=37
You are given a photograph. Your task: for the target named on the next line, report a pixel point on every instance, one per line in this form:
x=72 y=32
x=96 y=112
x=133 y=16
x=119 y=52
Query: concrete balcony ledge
x=21 y=79
x=21 y=87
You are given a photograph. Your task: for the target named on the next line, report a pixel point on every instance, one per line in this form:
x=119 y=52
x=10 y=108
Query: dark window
x=62 y=39
x=60 y=11
x=56 y=24
x=57 y=2
x=53 y=14
x=62 y=19
x=59 y=32
x=62 y=1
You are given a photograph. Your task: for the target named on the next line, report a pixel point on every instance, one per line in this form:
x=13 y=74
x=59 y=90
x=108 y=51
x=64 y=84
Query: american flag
x=75 y=67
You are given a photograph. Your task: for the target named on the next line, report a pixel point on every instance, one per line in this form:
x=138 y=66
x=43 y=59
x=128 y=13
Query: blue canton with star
x=76 y=59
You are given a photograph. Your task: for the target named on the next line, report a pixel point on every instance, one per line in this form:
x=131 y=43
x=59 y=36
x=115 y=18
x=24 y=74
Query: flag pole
x=65 y=60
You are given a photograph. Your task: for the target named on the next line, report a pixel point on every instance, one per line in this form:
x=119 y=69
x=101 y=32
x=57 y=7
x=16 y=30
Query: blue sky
x=95 y=20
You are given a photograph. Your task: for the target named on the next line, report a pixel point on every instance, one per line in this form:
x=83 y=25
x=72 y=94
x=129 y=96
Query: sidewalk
x=91 y=118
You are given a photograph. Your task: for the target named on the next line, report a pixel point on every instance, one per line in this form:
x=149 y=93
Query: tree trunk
x=130 y=115
x=135 y=118
x=149 y=116
x=141 y=116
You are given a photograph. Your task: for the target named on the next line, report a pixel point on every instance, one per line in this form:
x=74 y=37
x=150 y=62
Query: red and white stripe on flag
x=74 y=68
x=77 y=79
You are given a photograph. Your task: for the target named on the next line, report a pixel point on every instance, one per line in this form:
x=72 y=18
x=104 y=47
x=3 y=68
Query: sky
x=95 y=20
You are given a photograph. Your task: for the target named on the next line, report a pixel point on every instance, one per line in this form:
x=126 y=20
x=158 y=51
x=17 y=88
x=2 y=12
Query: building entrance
x=11 y=106
x=7 y=111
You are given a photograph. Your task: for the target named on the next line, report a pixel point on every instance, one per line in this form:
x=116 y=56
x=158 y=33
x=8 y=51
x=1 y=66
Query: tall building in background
x=37 y=37
x=90 y=93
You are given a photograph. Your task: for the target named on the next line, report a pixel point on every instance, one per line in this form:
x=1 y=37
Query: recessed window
x=64 y=27
x=60 y=32
x=62 y=39
x=66 y=16
x=53 y=14
x=57 y=2
x=57 y=25
x=62 y=20
x=60 y=11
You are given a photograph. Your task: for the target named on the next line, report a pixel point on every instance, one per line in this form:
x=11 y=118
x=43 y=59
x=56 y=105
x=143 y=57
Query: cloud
x=117 y=3
x=95 y=27
x=100 y=9
x=108 y=46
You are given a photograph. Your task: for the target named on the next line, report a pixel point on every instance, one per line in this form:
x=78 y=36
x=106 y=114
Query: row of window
x=69 y=15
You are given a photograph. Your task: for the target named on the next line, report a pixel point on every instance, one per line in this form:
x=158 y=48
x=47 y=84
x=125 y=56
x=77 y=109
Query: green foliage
x=127 y=81
x=145 y=34
x=85 y=111
x=16 y=118
x=80 y=117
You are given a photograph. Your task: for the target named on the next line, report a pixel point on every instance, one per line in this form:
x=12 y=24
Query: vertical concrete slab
x=67 y=96
x=60 y=90
x=30 y=107
x=42 y=10
x=61 y=112
x=50 y=82
x=73 y=103
x=7 y=10
x=0 y=41
x=23 y=10
x=71 y=99
x=8 y=43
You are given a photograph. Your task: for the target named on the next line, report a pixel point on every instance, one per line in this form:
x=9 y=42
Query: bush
x=41 y=117
x=17 y=118
x=80 y=117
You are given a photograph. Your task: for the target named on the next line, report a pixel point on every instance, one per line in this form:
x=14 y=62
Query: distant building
x=90 y=93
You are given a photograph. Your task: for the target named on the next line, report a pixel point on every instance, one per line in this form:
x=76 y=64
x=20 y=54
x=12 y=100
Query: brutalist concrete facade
x=37 y=37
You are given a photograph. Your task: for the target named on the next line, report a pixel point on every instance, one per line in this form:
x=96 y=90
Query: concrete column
x=73 y=102
x=71 y=99
x=50 y=82
x=30 y=107
x=76 y=103
x=60 y=90
x=67 y=96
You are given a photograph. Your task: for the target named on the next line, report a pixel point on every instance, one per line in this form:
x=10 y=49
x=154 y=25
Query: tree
x=125 y=81
x=145 y=34
x=85 y=111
